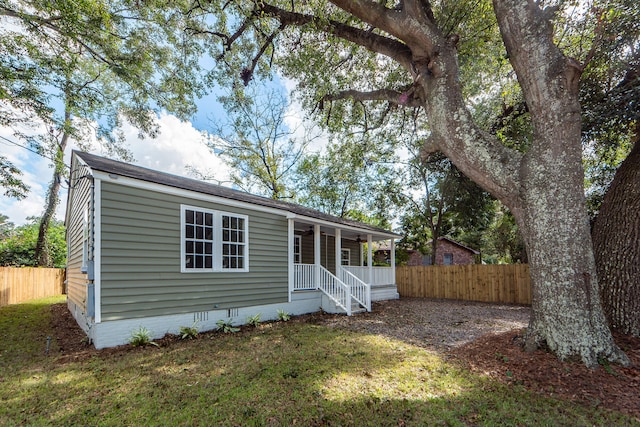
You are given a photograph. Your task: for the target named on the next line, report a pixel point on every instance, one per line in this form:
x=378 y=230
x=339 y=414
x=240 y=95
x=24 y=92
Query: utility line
x=31 y=150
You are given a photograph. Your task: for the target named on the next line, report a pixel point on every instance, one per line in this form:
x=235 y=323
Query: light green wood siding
x=80 y=197
x=140 y=261
x=327 y=251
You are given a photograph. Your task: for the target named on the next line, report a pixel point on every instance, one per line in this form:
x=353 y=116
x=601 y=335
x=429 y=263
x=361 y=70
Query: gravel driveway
x=435 y=324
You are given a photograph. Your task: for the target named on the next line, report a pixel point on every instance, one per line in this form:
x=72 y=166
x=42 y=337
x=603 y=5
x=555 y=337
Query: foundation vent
x=201 y=316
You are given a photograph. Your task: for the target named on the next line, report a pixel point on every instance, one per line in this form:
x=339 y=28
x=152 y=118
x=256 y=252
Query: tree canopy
x=367 y=63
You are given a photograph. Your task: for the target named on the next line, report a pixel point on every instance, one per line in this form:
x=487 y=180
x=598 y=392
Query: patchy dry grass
x=291 y=373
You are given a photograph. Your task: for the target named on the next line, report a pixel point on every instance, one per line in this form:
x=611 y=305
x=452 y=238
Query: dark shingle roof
x=103 y=164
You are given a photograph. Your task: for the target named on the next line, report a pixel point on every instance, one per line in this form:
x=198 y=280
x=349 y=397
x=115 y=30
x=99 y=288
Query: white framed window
x=448 y=259
x=345 y=257
x=213 y=240
x=297 y=249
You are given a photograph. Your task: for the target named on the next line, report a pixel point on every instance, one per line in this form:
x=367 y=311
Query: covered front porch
x=337 y=260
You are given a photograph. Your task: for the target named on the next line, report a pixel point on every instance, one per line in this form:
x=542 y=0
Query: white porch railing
x=381 y=275
x=360 y=291
x=305 y=277
x=341 y=290
x=335 y=289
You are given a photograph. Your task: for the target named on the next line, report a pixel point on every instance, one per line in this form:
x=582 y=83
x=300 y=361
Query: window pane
x=234 y=236
x=234 y=222
x=240 y=224
x=208 y=248
x=199 y=261
x=225 y=262
x=199 y=247
x=208 y=233
x=189 y=247
x=189 y=231
x=225 y=249
x=188 y=262
x=233 y=263
x=240 y=236
x=240 y=262
x=208 y=219
x=225 y=221
x=208 y=262
x=199 y=233
x=199 y=218
x=225 y=235
x=189 y=217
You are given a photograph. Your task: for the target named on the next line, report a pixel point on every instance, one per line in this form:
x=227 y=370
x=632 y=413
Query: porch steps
x=356 y=308
x=385 y=292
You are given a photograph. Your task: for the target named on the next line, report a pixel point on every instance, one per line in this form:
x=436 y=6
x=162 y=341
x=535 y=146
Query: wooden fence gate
x=25 y=283
x=502 y=283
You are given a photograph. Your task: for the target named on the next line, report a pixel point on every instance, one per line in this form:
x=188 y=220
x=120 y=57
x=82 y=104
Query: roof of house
x=385 y=247
x=458 y=244
x=110 y=166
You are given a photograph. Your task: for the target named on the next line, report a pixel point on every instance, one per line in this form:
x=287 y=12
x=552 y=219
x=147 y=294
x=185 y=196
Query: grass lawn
x=278 y=374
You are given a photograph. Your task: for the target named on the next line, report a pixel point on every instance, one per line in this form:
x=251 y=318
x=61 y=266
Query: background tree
x=416 y=53
x=18 y=249
x=256 y=142
x=104 y=61
x=611 y=131
x=10 y=180
x=440 y=201
x=353 y=179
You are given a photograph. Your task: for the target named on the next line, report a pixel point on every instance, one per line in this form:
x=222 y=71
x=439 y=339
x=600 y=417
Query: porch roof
x=301 y=214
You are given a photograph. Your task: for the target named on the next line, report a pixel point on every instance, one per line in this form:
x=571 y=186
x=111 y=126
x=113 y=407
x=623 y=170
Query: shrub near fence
x=502 y=283
x=22 y=284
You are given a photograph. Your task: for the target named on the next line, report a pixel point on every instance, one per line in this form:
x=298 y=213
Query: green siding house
x=155 y=250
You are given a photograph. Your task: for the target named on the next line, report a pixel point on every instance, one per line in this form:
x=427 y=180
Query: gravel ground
x=435 y=324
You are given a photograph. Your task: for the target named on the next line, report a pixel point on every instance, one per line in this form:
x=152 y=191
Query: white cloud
x=177 y=146
x=302 y=126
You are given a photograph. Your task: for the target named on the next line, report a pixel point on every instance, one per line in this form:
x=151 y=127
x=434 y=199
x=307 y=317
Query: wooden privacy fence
x=25 y=283
x=489 y=283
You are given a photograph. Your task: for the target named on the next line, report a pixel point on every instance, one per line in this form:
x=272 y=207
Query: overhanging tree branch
x=394 y=49
x=404 y=98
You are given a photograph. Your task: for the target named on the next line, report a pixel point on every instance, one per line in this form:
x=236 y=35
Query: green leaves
x=18 y=246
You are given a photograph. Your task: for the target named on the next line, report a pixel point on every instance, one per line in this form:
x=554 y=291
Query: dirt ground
x=486 y=338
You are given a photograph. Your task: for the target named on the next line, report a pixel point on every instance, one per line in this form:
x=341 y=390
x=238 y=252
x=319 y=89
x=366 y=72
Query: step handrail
x=338 y=291
x=360 y=291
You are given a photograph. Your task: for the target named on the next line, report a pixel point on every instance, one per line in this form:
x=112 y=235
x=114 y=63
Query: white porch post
x=338 y=251
x=370 y=257
x=290 y=240
x=393 y=260
x=316 y=253
x=360 y=254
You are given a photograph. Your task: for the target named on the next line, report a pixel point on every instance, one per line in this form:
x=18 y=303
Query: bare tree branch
x=394 y=49
x=393 y=96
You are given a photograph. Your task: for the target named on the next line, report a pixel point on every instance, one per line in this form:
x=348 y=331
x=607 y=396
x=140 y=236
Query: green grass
x=276 y=374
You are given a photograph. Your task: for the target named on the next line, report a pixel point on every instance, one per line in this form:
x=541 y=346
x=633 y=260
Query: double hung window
x=213 y=240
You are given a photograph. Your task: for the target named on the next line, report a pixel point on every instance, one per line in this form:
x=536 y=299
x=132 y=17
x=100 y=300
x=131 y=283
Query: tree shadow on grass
x=292 y=373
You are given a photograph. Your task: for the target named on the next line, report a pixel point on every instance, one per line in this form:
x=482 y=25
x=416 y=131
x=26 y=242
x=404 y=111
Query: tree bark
x=543 y=188
x=42 y=252
x=616 y=242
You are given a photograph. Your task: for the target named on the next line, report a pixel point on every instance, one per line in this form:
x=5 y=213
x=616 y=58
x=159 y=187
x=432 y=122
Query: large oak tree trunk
x=616 y=242
x=566 y=312
x=543 y=187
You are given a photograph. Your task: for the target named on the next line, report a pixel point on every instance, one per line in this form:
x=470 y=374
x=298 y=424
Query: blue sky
x=178 y=146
